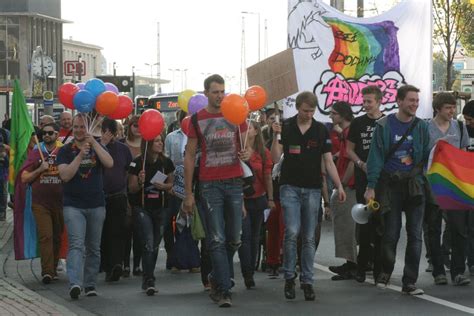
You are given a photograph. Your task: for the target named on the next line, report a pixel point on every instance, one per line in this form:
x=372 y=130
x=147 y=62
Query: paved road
x=183 y=294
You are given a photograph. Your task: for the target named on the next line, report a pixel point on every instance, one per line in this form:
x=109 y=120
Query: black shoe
x=74 y=292
x=274 y=273
x=126 y=272
x=338 y=269
x=249 y=281
x=360 y=275
x=308 y=292
x=137 y=272
x=90 y=291
x=47 y=279
x=116 y=273
x=290 y=288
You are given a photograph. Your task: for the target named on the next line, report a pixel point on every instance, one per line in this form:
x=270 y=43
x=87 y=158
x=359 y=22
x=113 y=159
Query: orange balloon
x=256 y=97
x=106 y=103
x=234 y=108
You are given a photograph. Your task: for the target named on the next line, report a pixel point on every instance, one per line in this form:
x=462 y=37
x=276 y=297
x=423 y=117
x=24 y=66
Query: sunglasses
x=50 y=133
x=135 y=125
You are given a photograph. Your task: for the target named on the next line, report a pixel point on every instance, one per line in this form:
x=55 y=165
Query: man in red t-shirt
x=220 y=184
x=65 y=132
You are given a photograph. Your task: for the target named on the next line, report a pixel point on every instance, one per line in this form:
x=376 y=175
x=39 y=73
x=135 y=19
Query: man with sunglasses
x=47 y=198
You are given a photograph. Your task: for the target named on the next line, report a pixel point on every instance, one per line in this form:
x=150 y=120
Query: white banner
x=337 y=55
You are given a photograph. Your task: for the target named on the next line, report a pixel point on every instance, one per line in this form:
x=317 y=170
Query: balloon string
x=86 y=122
x=97 y=122
x=143 y=169
x=240 y=138
x=92 y=123
x=246 y=133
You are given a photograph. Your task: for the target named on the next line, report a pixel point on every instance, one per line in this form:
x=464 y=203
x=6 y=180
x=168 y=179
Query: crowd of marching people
x=209 y=189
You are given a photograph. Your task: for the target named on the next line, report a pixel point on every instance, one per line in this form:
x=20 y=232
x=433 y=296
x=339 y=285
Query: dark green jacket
x=380 y=147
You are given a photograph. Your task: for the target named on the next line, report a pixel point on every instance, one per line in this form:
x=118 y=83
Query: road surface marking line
x=425 y=297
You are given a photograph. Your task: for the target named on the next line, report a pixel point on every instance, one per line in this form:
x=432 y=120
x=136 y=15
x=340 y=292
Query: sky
x=197 y=38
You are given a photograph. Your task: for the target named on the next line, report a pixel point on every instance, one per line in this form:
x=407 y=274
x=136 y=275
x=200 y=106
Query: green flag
x=20 y=134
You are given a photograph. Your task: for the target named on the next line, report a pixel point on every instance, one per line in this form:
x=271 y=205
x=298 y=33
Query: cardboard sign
x=276 y=74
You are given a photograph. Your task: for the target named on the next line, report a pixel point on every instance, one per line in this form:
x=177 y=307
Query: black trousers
x=457 y=223
x=369 y=240
x=113 y=233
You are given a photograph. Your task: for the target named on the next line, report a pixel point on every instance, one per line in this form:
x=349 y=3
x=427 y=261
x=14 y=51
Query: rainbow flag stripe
x=451 y=177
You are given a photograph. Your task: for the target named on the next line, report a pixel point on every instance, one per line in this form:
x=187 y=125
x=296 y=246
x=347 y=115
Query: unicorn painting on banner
x=336 y=55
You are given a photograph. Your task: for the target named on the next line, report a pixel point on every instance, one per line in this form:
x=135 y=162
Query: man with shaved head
x=65 y=132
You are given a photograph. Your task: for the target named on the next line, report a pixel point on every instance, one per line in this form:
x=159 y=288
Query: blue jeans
x=399 y=201
x=84 y=231
x=300 y=212
x=251 y=226
x=222 y=204
x=150 y=224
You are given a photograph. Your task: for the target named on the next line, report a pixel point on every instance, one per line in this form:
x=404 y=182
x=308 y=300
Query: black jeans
x=369 y=241
x=470 y=241
x=457 y=229
x=113 y=233
x=150 y=223
x=174 y=204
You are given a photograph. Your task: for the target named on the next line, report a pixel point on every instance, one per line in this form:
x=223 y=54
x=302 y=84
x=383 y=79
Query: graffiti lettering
x=334 y=87
x=317 y=53
x=301 y=37
x=349 y=60
x=348 y=37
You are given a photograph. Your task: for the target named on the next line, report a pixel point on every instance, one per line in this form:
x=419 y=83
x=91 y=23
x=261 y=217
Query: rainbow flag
x=20 y=135
x=451 y=176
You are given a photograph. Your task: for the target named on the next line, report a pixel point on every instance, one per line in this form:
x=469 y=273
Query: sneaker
x=308 y=292
x=360 y=275
x=213 y=292
x=126 y=272
x=411 y=289
x=249 y=281
x=61 y=265
x=150 y=289
x=137 y=271
x=440 y=279
x=116 y=273
x=225 y=300
x=461 y=279
x=382 y=280
x=195 y=270
x=175 y=270
x=47 y=279
x=90 y=291
x=290 y=288
x=55 y=277
x=430 y=267
x=274 y=273
x=74 y=292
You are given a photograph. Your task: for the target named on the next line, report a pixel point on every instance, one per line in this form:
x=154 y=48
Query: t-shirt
x=402 y=158
x=301 y=166
x=154 y=198
x=452 y=135
x=47 y=189
x=86 y=188
x=220 y=143
x=115 y=178
x=360 y=134
x=343 y=160
x=63 y=133
x=260 y=169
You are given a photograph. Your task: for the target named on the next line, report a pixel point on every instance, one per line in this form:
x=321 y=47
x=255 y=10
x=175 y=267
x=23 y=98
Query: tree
x=452 y=19
x=439 y=72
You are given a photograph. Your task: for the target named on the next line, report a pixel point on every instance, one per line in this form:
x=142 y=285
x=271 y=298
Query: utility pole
x=158 y=61
x=338 y=4
x=360 y=8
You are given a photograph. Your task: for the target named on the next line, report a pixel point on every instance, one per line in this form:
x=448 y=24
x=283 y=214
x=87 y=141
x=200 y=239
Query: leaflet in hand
x=159 y=177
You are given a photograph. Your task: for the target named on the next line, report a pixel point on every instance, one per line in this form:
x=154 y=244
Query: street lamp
x=258 y=14
x=172 y=78
x=151 y=68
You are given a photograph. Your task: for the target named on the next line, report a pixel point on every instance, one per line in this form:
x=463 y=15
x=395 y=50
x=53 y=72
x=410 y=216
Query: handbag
x=197 y=229
x=248 y=179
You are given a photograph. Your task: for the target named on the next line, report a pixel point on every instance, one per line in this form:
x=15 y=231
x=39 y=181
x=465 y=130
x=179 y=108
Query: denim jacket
x=380 y=147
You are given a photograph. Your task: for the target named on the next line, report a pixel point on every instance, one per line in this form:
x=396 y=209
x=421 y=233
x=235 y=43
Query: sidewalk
x=16 y=299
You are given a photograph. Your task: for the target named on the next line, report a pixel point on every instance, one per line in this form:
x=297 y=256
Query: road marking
x=425 y=297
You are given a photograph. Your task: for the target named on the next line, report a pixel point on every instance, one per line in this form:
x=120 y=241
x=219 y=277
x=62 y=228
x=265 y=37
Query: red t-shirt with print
x=220 y=144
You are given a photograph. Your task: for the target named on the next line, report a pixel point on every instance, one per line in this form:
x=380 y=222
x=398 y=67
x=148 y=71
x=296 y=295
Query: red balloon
x=256 y=97
x=151 y=124
x=66 y=94
x=234 y=108
x=185 y=125
x=124 y=108
x=106 y=103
